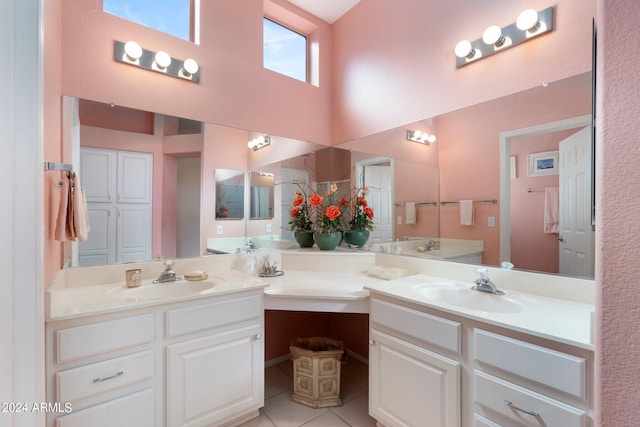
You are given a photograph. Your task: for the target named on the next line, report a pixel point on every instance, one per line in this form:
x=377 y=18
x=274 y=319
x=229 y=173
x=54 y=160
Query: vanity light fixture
x=529 y=24
x=259 y=142
x=421 y=137
x=133 y=54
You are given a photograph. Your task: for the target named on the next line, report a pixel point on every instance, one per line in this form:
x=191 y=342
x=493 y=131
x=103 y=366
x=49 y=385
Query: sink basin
x=168 y=290
x=460 y=295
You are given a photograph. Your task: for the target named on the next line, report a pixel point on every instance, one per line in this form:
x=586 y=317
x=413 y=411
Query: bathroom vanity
x=439 y=353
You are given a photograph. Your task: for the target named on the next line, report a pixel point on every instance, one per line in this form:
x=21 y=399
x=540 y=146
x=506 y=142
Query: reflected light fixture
x=133 y=54
x=529 y=24
x=259 y=142
x=421 y=137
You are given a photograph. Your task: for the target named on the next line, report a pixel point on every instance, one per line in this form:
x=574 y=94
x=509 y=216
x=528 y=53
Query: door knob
x=560 y=238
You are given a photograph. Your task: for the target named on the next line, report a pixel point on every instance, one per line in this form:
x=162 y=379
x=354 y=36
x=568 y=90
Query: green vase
x=304 y=238
x=357 y=237
x=327 y=241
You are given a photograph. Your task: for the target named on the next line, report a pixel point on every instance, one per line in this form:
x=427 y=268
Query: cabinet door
x=100 y=246
x=215 y=379
x=98 y=174
x=134 y=177
x=410 y=386
x=133 y=233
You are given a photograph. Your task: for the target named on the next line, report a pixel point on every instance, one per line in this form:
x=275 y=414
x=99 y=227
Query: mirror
x=229 y=194
x=261 y=195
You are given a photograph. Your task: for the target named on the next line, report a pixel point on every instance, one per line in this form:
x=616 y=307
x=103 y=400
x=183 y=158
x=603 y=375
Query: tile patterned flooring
x=280 y=411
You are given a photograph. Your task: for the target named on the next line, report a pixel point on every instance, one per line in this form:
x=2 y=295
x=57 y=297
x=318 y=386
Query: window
x=285 y=51
x=172 y=17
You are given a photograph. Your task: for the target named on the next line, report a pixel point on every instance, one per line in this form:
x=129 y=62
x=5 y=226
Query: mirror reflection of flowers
x=361 y=214
x=300 y=213
x=327 y=211
x=222 y=211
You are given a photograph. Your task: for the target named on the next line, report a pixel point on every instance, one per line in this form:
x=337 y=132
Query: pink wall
x=617 y=345
x=393 y=62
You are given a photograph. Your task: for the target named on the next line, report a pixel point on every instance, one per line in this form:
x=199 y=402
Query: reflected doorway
x=377 y=174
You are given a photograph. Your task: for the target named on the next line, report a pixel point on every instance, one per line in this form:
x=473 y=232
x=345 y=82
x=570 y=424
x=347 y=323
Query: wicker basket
x=316 y=371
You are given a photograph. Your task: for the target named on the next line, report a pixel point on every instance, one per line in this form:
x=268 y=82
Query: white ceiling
x=327 y=10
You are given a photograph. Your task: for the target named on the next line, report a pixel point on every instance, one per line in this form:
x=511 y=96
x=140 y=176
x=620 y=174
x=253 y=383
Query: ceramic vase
x=357 y=237
x=304 y=238
x=327 y=241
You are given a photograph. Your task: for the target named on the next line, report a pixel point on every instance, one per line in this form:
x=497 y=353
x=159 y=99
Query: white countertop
x=68 y=302
x=557 y=319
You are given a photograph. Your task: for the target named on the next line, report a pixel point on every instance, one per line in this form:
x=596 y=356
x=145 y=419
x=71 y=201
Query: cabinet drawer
x=79 y=383
x=549 y=367
x=410 y=323
x=133 y=410
x=187 y=320
x=97 y=338
x=480 y=421
x=492 y=393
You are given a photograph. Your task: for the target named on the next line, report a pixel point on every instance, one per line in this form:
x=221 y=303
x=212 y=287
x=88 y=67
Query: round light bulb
x=464 y=49
x=424 y=137
x=251 y=143
x=527 y=20
x=260 y=140
x=191 y=66
x=132 y=50
x=163 y=60
x=417 y=134
x=431 y=139
x=493 y=36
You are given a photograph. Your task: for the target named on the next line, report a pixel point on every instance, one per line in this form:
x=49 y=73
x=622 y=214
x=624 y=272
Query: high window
x=285 y=51
x=175 y=17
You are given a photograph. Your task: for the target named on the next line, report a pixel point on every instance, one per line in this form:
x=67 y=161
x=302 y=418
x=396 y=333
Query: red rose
x=344 y=202
x=362 y=202
x=295 y=212
x=368 y=212
x=315 y=200
x=298 y=201
x=332 y=212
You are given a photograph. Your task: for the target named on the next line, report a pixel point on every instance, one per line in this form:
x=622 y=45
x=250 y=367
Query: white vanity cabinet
x=189 y=363
x=430 y=367
x=414 y=377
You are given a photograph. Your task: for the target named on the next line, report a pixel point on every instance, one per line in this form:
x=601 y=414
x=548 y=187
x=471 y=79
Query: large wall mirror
x=465 y=161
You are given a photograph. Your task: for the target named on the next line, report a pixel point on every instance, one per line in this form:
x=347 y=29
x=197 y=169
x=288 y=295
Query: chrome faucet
x=250 y=244
x=484 y=284
x=168 y=275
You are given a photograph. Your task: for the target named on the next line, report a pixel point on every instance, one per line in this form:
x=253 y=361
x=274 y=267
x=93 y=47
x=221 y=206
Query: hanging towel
x=466 y=212
x=551 y=209
x=410 y=213
x=73 y=221
x=80 y=217
x=63 y=228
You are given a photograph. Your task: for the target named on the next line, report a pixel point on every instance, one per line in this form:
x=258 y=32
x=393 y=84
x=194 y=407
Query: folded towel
x=387 y=273
x=551 y=210
x=466 y=212
x=410 y=213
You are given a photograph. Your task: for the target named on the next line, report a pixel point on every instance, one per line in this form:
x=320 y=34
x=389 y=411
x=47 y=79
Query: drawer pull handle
x=511 y=405
x=372 y=343
x=116 y=375
x=258 y=336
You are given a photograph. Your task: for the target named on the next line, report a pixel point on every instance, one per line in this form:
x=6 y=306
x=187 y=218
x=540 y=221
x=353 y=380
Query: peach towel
x=410 y=213
x=466 y=212
x=73 y=220
x=551 y=210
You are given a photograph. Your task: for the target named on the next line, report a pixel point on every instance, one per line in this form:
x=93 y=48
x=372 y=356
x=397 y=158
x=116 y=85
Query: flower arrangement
x=361 y=214
x=314 y=212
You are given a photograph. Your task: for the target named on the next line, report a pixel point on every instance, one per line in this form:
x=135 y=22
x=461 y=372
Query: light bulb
x=417 y=134
x=431 y=139
x=132 y=50
x=251 y=143
x=493 y=36
x=163 y=60
x=424 y=137
x=528 y=20
x=464 y=49
x=190 y=66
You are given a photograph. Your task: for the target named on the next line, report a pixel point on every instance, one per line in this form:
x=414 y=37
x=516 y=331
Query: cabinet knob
x=372 y=343
x=258 y=336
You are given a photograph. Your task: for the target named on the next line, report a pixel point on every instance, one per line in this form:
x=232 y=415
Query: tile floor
x=280 y=411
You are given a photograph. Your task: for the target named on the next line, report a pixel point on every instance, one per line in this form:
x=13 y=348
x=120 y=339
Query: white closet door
x=133 y=233
x=134 y=177
x=99 y=248
x=98 y=174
